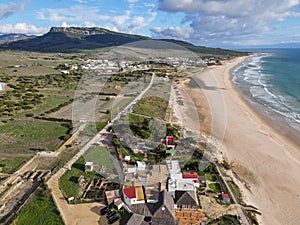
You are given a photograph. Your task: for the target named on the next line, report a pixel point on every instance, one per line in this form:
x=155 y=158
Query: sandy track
x=73 y=214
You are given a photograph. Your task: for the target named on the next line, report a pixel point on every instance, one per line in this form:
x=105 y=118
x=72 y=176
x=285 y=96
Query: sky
x=215 y=23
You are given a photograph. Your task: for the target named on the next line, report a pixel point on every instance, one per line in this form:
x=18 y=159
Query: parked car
x=110 y=214
x=113 y=219
x=104 y=210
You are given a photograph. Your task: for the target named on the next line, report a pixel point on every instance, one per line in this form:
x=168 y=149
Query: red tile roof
x=190 y=176
x=163 y=141
x=170 y=140
x=130 y=192
x=225 y=196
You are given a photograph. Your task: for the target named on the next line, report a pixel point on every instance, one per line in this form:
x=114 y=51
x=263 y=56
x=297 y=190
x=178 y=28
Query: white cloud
x=129 y=22
x=10 y=8
x=82 y=1
x=76 y=13
x=22 y=28
x=172 y=32
x=132 y=1
x=150 y=5
x=121 y=19
x=229 y=19
x=89 y=24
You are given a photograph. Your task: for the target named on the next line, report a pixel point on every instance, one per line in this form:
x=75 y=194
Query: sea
x=270 y=81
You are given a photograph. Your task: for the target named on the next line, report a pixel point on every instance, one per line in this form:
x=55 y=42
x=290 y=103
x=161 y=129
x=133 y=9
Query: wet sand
x=266 y=162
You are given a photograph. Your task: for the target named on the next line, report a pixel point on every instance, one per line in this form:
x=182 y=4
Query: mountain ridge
x=15 y=37
x=76 y=39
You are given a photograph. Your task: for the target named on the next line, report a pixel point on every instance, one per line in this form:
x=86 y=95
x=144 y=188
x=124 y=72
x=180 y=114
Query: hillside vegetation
x=75 y=39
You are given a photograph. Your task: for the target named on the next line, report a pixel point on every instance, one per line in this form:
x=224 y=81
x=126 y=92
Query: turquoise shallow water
x=271 y=79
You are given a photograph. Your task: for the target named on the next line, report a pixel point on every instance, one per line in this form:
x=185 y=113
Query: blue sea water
x=271 y=79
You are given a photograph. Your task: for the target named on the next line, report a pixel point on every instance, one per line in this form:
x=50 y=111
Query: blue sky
x=218 y=23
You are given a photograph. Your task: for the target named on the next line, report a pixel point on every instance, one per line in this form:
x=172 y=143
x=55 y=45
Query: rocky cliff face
x=80 y=31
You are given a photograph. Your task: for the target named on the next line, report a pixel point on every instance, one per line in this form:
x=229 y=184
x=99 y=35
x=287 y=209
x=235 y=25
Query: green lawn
x=41 y=210
x=235 y=190
x=215 y=187
x=127 y=152
x=225 y=220
x=155 y=107
x=28 y=135
x=69 y=181
x=101 y=158
x=10 y=165
x=210 y=177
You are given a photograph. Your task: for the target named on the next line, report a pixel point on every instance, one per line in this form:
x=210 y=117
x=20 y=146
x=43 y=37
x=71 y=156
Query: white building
x=89 y=167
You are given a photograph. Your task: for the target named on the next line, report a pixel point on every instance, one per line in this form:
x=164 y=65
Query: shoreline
x=270 y=122
x=281 y=128
x=266 y=163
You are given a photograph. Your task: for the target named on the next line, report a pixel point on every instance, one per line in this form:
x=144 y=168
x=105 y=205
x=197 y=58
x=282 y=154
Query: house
x=129 y=195
x=118 y=203
x=186 y=200
x=192 y=176
x=89 y=167
x=127 y=158
x=111 y=196
x=225 y=198
x=141 y=166
x=202 y=180
x=180 y=185
x=137 y=219
x=160 y=213
x=133 y=195
x=173 y=167
x=170 y=143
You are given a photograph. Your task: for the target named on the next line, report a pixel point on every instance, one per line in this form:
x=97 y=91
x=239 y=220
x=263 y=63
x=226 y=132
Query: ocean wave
x=252 y=76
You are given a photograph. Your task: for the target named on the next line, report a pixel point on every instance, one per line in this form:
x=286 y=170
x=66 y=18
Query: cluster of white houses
x=156 y=193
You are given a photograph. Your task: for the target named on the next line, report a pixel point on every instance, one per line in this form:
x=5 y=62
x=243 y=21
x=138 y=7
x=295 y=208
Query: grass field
x=27 y=136
x=41 y=210
x=31 y=70
x=211 y=177
x=236 y=191
x=69 y=181
x=10 y=165
x=152 y=106
x=225 y=220
x=215 y=187
x=100 y=157
x=49 y=102
x=11 y=58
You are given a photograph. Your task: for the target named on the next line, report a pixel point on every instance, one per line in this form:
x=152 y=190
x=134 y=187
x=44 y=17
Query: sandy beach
x=266 y=163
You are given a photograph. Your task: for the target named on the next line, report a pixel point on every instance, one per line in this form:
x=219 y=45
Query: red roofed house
x=225 y=198
x=170 y=143
x=192 y=176
x=133 y=195
x=129 y=195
